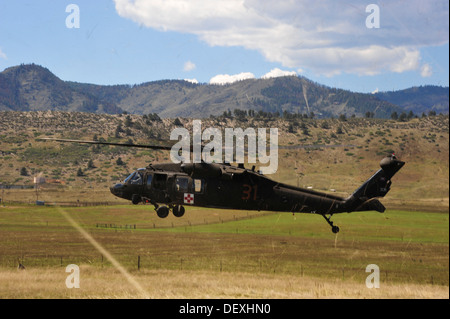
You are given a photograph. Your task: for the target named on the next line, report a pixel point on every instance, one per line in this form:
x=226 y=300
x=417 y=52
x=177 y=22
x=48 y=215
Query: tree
x=177 y=122
x=305 y=131
x=80 y=172
x=23 y=171
x=128 y=121
x=394 y=116
x=119 y=130
x=90 y=164
x=291 y=128
x=369 y=114
x=120 y=162
x=410 y=115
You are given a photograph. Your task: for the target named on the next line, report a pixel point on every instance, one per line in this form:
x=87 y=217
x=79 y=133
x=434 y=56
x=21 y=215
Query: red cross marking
x=188 y=198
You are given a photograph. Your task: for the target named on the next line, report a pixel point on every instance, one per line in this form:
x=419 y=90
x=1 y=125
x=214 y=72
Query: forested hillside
x=35 y=88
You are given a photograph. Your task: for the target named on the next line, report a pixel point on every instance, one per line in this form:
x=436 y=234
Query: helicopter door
x=181 y=187
x=149 y=181
x=159 y=187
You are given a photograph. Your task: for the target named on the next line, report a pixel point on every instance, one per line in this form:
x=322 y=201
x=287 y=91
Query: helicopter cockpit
x=135 y=178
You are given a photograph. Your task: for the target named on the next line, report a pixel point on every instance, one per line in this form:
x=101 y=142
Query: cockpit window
x=149 y=179
x=134 y=178
x=181 y=184
x=129 y=178
x=137 y=179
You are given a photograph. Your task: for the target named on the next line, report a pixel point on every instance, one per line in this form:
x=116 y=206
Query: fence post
x=139 y=262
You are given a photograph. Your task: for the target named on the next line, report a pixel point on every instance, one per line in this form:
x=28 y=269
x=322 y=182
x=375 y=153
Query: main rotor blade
x=293 y=147
x=154 y=147
x=168 y=148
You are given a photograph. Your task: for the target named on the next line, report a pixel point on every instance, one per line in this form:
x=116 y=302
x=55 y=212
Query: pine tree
x=120 y=162
x=23 y=171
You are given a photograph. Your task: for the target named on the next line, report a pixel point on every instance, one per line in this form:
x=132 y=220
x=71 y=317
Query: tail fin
x=364 y=198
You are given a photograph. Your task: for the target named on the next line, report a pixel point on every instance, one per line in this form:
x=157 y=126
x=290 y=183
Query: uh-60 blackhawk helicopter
x=171 y=186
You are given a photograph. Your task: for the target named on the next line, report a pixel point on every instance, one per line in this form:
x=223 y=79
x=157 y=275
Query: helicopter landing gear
x=162 y=211
x=136 y=199
x=334 y=229
x=178 y=210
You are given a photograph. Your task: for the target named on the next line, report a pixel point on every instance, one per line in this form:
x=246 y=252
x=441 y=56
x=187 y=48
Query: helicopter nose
x=117 y=190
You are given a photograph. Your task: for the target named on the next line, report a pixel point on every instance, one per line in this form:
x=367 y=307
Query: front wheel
x=162 y=211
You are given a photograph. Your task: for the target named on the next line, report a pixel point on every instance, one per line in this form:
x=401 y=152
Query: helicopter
x=169 y=187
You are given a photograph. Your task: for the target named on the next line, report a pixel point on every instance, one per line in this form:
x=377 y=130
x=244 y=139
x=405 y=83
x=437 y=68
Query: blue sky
x=212 y=41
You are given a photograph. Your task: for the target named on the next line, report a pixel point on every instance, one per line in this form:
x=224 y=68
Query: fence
x=239 y=264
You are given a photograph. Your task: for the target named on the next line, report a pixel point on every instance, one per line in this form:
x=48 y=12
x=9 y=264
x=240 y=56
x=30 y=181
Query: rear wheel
x=162 y=211
x=178 y=211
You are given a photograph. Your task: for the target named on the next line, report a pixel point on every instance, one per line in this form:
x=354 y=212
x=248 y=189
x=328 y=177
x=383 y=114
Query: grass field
x=126 y=251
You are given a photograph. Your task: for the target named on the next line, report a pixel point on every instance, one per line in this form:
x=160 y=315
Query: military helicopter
x=171 y=186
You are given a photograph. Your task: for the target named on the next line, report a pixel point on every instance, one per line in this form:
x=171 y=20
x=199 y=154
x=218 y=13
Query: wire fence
x=136 y=263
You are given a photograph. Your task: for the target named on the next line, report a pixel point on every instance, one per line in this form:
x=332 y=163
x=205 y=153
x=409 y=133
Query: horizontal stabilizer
x=371 y=204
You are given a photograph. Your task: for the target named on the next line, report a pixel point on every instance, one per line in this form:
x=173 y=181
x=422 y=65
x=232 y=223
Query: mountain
x=173 y=98
x=32 y=87
x=420 y=99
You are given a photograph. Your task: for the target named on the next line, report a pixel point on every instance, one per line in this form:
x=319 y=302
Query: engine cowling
x=202 y=170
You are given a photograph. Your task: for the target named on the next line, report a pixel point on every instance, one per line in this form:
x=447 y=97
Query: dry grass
x=109 y=283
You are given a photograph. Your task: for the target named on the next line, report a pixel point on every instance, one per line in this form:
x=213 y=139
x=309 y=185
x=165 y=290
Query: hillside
x=34 y=88
x=423 y=143
x=419 y=99
x=172 y=98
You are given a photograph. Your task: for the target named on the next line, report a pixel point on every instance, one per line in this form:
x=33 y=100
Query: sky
x=362 y=46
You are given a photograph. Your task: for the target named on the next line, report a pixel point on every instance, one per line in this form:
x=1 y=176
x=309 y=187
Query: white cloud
x=274 y=73
x=327 y=37
x=375 y=91
x=227 y=79
x=189 y=66
x=426 y=70
x=2 y=54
